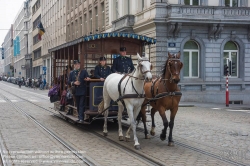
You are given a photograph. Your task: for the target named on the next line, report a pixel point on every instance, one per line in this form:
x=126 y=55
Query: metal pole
x=227 y=92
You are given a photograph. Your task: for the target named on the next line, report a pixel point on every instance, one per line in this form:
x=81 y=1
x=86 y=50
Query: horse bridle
x=168 y=66
x=140 y=65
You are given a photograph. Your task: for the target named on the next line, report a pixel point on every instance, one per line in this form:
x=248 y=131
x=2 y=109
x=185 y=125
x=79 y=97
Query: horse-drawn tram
x=88 y=50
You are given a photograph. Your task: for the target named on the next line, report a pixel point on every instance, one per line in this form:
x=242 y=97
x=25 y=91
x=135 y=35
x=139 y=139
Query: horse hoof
x=127 y=139
x=147 y=136
x=121 y=138
x=152 y=133
x=105 y=134
x=137 y=147
x=162 y=137
x=170 y=143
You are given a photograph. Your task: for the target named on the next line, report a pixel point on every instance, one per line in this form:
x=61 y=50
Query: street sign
x=171 y=44
x=44 y=68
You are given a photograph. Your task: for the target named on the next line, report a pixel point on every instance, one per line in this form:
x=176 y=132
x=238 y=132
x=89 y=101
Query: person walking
x=44 y=83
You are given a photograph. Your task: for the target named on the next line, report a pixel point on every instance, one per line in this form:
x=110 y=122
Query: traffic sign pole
x=227 y=92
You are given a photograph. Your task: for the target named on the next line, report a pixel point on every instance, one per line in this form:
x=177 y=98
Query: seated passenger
x=102 y=70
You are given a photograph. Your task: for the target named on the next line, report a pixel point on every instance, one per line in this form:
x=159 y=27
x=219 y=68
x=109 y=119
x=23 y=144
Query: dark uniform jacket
x=102 y=71
x=122 y=64
x=80 y=89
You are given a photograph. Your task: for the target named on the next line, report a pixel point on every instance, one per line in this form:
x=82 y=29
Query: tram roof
x=144 y=39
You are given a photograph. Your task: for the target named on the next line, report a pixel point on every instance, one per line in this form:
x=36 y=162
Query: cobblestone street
x=204 y=134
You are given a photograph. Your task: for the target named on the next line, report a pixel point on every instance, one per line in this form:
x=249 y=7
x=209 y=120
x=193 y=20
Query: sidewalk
x=215 y=105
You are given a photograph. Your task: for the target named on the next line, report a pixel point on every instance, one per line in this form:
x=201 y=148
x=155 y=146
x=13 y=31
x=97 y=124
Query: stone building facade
x=206 y=32
x=8 y=53
x=19 y=32
x=54 y=22
x=37 y=61
x=84 y=17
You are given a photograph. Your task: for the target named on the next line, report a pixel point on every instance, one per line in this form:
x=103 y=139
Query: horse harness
x=126 y=96
x=156 y=96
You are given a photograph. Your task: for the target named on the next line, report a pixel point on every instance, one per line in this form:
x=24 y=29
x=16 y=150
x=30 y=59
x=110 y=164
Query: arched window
x=191 y=60
x=192 y=2
x=231 y=3
x=231 y=52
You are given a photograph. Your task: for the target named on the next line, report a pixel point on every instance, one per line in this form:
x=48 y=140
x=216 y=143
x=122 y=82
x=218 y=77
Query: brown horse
x=164 y=94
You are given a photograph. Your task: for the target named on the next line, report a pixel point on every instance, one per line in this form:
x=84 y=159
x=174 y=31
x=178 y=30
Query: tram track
x=139 y=155
x=61 y=141
x=2 y=163
x=148 y=159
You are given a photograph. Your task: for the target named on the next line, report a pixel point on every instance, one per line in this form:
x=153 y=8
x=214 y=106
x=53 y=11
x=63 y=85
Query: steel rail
x=196 y=149
x=176 y=142
x=2 y=160
x=75 y=152
x=124 y=148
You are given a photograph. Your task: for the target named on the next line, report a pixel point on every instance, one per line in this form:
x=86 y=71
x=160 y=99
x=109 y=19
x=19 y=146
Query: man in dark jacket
x=122 y=64
x=78 y=78
x=102 y=70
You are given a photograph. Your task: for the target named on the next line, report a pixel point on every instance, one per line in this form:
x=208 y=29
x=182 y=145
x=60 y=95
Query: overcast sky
x=8 y=12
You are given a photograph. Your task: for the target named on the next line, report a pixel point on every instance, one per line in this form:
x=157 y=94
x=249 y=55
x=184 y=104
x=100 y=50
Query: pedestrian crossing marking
x=239 y=110
x=2 y=101
x=32 y=100
x=13 y=100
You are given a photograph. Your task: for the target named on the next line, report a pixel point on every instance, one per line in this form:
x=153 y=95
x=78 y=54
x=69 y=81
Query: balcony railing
x=208 y=13
x=124 y=23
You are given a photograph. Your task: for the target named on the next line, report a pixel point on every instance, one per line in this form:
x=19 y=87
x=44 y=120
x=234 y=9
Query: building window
x=36 y=6
x=192 y=2
x=231 y=52
x=96 y=19
x=80 y=27
x=85 y=24
x=128 y=7
x=142 y=5
x=37 y=54
x=35 y=39
x=191 y=60
x=103 y=15
x=90 y=22
x=116 y=9
x=36 y=22
x=231 y=3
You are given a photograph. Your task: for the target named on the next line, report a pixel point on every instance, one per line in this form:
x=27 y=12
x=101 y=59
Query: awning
x=145 y=39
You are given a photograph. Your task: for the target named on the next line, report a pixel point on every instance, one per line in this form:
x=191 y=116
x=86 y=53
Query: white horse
x=134 y=85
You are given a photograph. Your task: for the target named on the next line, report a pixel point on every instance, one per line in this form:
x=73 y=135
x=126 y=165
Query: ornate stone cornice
x=171 y=28
x=177 y=29
x=218 y=31
x=214 y=31
x=211 y=31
